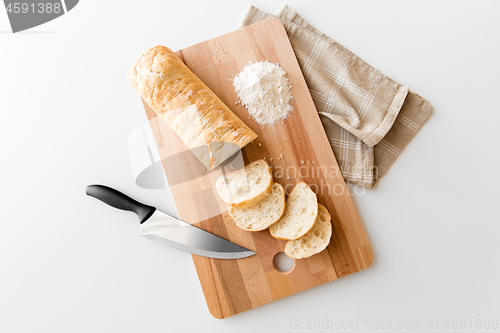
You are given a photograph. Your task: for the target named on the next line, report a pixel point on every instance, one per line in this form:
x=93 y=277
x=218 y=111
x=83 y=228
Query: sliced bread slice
x=245 y=187
x=300 y=214
x=264 y=213
x=315 y=240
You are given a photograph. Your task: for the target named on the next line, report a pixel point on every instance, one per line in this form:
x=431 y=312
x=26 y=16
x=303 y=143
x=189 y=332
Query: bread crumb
x=302 y=162
x=260 y=144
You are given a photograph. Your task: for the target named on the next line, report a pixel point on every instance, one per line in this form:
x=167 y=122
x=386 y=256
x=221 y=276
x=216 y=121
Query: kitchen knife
x=168 y=230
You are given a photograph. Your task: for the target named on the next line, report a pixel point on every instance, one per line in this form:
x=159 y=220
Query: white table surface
x=71 y=264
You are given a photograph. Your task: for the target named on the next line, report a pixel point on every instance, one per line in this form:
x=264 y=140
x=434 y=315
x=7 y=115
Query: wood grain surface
x=297 y=149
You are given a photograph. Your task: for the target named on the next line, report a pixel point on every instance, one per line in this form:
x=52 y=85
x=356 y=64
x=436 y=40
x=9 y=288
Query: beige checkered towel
x=368 y=117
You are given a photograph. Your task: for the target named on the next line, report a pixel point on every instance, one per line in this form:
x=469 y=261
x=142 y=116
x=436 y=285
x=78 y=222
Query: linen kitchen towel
x=368 y=117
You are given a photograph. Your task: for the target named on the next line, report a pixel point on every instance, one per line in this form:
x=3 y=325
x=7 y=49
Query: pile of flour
x=264 y=90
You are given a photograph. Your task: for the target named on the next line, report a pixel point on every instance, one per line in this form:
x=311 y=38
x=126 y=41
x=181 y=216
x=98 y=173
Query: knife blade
x=163 y=228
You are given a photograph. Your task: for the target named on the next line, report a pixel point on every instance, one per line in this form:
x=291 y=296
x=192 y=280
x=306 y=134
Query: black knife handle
x=121 y=201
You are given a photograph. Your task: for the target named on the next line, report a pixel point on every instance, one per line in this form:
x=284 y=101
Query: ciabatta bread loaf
x=263 y=214
x=188 y=106
x=247 y=186
x=300 y=214
x=315 y=240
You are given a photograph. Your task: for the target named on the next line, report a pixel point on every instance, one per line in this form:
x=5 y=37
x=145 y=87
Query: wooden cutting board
x=296 y=148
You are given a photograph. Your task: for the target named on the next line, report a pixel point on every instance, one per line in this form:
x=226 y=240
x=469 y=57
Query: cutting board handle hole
x=283 y=263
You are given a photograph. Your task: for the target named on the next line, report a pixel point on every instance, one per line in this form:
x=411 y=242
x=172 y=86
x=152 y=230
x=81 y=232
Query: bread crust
x=187 y=105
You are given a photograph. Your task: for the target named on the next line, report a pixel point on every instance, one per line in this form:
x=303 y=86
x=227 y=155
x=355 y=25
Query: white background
x=68 y=263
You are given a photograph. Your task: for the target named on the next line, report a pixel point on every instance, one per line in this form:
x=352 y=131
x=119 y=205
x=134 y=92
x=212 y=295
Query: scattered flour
x=264 y=90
